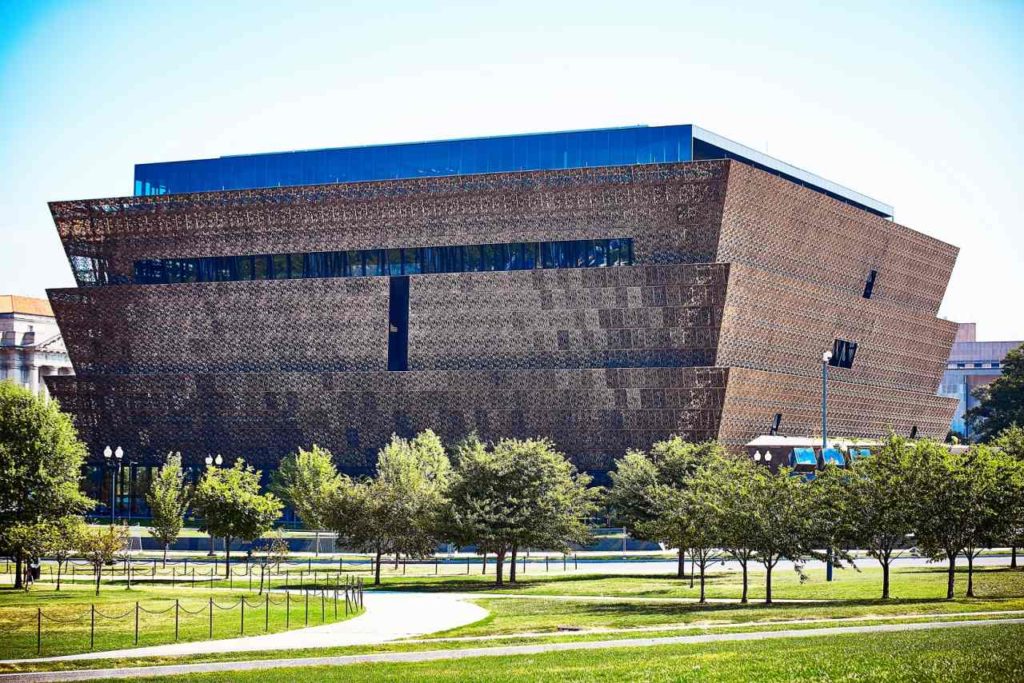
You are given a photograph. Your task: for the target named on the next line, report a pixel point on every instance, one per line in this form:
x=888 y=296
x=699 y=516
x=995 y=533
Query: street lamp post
x=210 y=462
x=825 y=358
x=113 y=460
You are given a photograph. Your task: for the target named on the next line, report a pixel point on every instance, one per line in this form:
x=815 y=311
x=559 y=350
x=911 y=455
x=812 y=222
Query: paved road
x=388 y=616
x=435 y=655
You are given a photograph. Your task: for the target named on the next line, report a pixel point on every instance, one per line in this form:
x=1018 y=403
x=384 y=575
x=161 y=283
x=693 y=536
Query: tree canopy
x=230 y=504
x=41 y=460
x=1002 y=401
x=516 y=495
x=168 y=499
x=308 y=481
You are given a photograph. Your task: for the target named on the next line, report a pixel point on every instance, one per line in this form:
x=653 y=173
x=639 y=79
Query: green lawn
x=67 y=617
x=965 y=654
x=865 y=583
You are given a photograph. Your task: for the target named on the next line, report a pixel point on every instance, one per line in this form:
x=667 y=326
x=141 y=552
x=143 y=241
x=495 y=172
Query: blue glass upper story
x=529 y=152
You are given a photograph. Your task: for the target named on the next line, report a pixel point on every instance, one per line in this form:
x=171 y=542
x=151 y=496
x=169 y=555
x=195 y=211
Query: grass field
x=864 y=583
x=969 y=654
x=67 y=617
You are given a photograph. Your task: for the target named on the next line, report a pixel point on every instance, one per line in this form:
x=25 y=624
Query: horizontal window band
x=476 y=258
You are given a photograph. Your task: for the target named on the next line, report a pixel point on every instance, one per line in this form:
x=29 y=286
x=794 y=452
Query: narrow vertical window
x=869 y=284
x=398 y=323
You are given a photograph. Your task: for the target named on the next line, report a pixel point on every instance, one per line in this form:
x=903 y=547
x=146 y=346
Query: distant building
x=972 y=364
x=31 y=346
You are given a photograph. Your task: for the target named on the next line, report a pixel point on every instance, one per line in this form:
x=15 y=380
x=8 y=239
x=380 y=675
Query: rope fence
x=336 y=597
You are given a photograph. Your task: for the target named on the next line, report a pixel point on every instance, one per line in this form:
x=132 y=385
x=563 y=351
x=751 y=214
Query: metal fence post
x=241 y=627
x=307 y=607
x=39 y=630
x=211 y=618
x=287 y=609
x=136 y=622
x=266 y=613
x=176 y=607
x=92 y=626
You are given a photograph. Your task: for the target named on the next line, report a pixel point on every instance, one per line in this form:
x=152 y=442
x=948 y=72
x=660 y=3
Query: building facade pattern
x=740 y=280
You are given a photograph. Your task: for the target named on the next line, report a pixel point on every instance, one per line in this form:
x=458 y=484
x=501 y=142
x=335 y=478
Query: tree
x=1011 y=442
x=275 y=551
x=780 y=521
x=229 y=501
x=26 y=540
x=521 y=493
x=398 y=510
x=41 y=461
x=308 y=481
x=700 y=514
x=642 y=485
x=960 y=503
x=734 y=479
x=168 y=499
x=883 y=501
x=359 y=515
x=832 y=526
x=66 y=537
x=1001 y=403
x=101 y=546
x=412 y=476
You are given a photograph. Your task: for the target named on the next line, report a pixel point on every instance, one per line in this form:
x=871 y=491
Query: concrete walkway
x=435 y=655
x=388 y=616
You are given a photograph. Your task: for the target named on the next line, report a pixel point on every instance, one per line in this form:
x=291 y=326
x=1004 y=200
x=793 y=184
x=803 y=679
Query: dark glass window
x=373 y=262
x=393 y=262
x=843 y=352
x=244 y=267
x=297 y=261
x=869 y=284
x=280 y=265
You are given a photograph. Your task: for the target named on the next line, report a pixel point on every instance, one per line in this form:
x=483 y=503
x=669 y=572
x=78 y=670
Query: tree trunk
x=17 y=571
x=396 y=560
x=681 y=565
x=99 y=573
x=702 y=566
x=166 y=545
x=1013 y=557
x=499 y=560
x=885 y=579
x=263 y=570
x=768 y=584
x=484 y=565
x=693 y=558
x=60 y=565
x=743 y=599
x=951 y=577
x=376 y=571
x=316 y=543
x=512 y=566
x=970 y=574
x=227 y=556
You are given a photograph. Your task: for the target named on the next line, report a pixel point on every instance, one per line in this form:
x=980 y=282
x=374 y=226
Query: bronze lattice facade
x=736 y=283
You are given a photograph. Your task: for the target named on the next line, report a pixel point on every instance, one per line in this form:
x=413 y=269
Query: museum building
x=602 y=288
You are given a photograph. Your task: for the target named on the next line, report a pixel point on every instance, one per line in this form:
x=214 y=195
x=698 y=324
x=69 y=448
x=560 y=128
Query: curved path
x=434 y=655
x=388 y=616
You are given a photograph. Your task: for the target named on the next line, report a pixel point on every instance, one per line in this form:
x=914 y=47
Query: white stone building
x=31 y=346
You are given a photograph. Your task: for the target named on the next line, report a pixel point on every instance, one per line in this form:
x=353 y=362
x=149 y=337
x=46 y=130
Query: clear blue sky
x=919 y=104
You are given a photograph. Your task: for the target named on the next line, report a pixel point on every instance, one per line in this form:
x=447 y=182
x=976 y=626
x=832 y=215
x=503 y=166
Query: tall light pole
x=113 y=460
x=210 y=462
x=825 y=358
